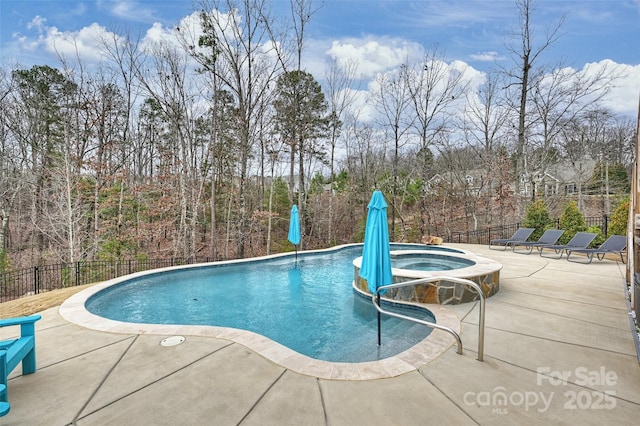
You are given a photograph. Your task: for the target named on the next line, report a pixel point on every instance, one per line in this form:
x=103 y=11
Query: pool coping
x=481 y=265
x=425 y=351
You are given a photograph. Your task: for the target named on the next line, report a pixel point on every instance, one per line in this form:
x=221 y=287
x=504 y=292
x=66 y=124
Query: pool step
x=394 y=332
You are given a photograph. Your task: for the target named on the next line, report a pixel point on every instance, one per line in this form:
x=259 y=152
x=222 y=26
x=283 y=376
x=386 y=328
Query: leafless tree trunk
x=301 y=13
x=341 y=96
x=246 y=71
x=392 y=100
x=434 y=87
x=10 y=168
x=485 y=128
x=176 y=93
x=525 y=52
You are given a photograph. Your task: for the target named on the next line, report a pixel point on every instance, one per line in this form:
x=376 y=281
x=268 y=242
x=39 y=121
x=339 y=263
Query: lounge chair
x=550 y=237
x=615 y=244
x=579 y=241
x=520 y=235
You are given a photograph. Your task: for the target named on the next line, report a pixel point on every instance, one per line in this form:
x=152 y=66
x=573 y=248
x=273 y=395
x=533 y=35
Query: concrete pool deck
x=558 y=350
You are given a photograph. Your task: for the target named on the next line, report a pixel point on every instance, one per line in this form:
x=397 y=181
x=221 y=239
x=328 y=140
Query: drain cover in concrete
x=172 y=341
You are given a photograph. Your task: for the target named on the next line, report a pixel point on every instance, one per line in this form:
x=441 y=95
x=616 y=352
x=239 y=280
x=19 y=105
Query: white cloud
x=189 y=29
x=471 y=75
x=158 y=34
x=486 y=56
x=132 y=11
x=84 y=43
x=362 y=106
x=38 y=23
x=623 y=98
x=374 y=56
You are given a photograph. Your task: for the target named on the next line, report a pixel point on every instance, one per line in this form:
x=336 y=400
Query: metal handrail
x=376 y=302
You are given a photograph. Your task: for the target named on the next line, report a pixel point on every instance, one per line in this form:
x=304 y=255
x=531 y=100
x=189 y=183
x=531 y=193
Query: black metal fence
x=40 y=279
x=483 y=236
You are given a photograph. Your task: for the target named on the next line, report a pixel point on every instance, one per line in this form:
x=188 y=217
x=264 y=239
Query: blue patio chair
x=579 y=241
x=14 y=351
x=550 y=237
x=522 y=234
x=615 y=244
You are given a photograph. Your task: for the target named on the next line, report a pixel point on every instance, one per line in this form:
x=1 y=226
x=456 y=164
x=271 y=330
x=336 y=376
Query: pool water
x=306 y=304
x=434 y=262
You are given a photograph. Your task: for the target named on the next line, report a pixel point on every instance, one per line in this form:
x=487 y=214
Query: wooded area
x=200 y=147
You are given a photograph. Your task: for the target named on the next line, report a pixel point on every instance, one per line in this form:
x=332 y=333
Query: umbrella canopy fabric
x=294 y=226
x=376 y=255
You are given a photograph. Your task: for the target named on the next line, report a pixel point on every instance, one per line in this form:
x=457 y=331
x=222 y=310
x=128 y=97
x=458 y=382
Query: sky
x=379 y=34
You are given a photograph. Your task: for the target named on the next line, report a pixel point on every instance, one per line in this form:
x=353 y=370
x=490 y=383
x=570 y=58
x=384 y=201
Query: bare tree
x=485 y=118
x=64 y=214
x=392 y=100
x=246 y=69
x=341 y=97
x=202 y=44
x=434 y=88
x=136 y=147
x=558 y=98
x=11 y=179
x=301 y=13
x=622 y=133
x=592 y=142
x=169 y=83
x=485 y=127
x=41 y=106
x=365 y=157
x=526 y=49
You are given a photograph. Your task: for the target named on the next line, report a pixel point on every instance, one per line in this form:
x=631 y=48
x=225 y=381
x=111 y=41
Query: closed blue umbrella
x=376 y=255
x=294 y=228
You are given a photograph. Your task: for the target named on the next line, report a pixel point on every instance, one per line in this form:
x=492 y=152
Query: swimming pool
x=306 y=304
x=434 y=345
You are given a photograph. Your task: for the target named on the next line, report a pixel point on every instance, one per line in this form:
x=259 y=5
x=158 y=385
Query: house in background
x=435 y=182
x=563 y=178
x=559 y=179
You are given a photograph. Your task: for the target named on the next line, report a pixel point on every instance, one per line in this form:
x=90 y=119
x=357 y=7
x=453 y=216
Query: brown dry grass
x=37 y=303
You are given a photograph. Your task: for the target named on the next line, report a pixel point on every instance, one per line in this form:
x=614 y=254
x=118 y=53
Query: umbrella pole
x=379 y=327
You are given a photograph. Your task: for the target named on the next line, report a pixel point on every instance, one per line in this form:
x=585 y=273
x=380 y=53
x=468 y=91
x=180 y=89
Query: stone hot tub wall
x=485 y=273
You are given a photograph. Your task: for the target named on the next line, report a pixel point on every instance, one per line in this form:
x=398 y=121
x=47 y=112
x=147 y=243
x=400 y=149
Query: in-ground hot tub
x=409 y=265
